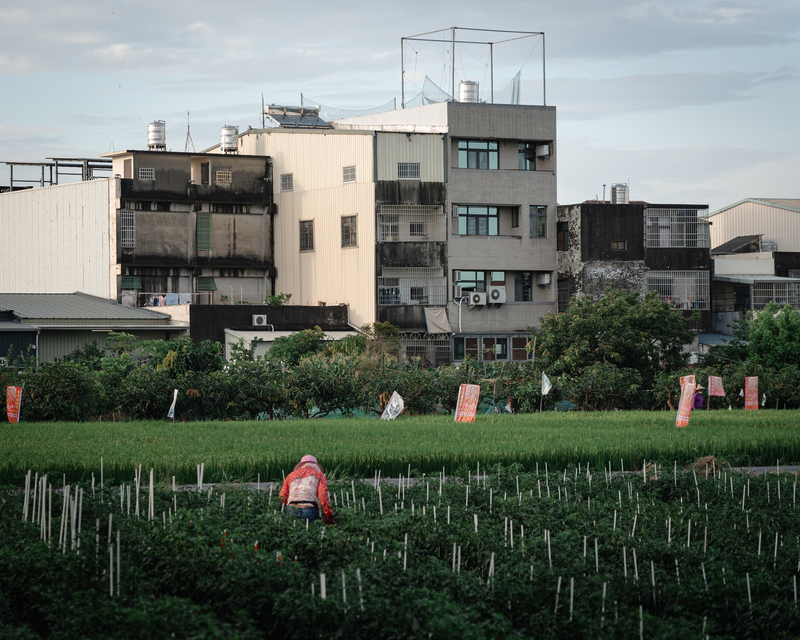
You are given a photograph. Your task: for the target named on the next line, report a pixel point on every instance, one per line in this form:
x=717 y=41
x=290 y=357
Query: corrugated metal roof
x=74 y=306
x=791 y=204
x=269 y=336
x=735 y=245
x=752 y=279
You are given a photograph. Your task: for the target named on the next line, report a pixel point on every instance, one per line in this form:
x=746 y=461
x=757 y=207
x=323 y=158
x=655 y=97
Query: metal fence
x=684 y=289
x=430 y=349
x=781 y=292
x=668 y=228
x=412 y=223
x=412 y=285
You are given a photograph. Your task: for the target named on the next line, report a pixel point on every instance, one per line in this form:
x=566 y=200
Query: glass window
x=472 y=281
x=523 y=286
x=349 y=238
x=495 y=349
x=349 y=174
x=563 y=295
x=127 y=229
x=515 y=217
x=562 y=234
x=618 y=245
x=538 y=216
x=497 y=277
x=287 y=182
x=203 y=231
x=477 y=154
x=518 y=349
x=147 y=174
x=465 y=347
x=306 y=235
x=408 y=171
x=527 y=156
x=224 y=177
x=477 y=221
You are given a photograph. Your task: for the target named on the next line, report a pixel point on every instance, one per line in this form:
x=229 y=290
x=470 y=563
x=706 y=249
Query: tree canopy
x=620 y=329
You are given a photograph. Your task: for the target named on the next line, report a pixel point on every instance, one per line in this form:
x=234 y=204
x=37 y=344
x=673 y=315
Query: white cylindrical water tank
x=229 y=139
x=468 y=91
x=157 y=135
x=619 y=193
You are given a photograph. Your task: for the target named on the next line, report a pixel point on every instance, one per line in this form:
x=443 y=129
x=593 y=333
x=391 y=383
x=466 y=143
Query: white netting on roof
x=330 y=113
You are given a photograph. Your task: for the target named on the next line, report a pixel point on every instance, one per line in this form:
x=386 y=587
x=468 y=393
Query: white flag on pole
x=394 y=407
x=171 y=414
x=546 y=384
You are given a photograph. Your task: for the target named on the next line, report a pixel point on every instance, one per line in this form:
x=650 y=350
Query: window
x=472 y=281
x=497 y=278
x=667 y=228
x=562 y=236
x=538 y=215
x=349 y=174
x=204 y=173
x=619 y=245
x=412 y=285
x=127 y=238
x=306 y=235
x=465 y=347
x=495 y=349
x=477 y=221
x=527 y=156
x=416 y=229
x=408 y=170
x=224 y=177
x=287 y=182
x=563 y=295
x=477 y=154
x=515 y=217
x=349 y=238
x=127 y=168
x=683 y=289
x=203 y=231
x=523 y=286
x=519 y=352
x=147 y=174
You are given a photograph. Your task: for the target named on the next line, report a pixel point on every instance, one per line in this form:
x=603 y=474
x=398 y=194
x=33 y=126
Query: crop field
x=577 y=552
x=360 y=446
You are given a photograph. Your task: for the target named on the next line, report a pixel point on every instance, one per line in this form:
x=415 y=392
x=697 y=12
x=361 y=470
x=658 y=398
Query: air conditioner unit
x=260 y=320
x=497 y=295
x=457 y=291
x=456 y=275
x=455 y=210
x=542 y=150
x=543 y=279
x=2 y=362
x=477 y=298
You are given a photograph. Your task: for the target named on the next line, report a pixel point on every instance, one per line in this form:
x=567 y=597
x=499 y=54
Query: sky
x=690 y=102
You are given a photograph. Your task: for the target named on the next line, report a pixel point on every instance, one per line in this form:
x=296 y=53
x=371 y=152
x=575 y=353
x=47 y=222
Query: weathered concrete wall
x=569 y=260
x=628 y=275
x=409 y=192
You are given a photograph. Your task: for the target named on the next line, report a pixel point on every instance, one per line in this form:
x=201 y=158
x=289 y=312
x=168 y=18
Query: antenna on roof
x=189 y=142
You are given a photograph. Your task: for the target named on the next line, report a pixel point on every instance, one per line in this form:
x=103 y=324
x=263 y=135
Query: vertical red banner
x=751 y=392
x=13 y=401
x=685 y=404
x=467 y=404
x=715 y=386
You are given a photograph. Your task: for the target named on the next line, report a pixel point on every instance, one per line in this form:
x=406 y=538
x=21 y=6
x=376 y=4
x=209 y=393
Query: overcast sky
x=690 y=101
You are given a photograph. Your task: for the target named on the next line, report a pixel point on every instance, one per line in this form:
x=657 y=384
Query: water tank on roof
x=768 y=245
x=619 y=193
x=468 y=91
x=229 y=139
x=157 y=135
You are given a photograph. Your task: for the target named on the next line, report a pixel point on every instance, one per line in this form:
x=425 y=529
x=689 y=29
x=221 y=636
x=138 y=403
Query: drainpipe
x=459 y=302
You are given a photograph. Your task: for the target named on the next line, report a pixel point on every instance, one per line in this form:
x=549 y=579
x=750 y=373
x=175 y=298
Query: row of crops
x=487 y=552
x=233 y=451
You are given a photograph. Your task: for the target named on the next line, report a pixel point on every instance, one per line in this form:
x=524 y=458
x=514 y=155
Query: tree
x=291 y=349
x=620 y=329
x=774 y=336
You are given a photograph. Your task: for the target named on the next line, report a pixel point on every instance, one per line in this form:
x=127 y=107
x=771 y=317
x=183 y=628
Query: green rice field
x=243 y=451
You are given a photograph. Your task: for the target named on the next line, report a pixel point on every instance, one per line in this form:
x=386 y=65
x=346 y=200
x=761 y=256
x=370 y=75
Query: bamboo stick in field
x=475 y=517
x=405 y=553
x=775 y=555
x=625 y=563
x=323 y=593
x=50 y=518
x=596 y=558
x=678 y=573
x=603 y=609
x=454 y=558
x=118 y=564
x=571 y=596
x=150 y=504
x=558 y=592
x=27 y=496
x=635 y=567
x=110 y=570
x=749 y=597
x=360 y=592
x=549 y=554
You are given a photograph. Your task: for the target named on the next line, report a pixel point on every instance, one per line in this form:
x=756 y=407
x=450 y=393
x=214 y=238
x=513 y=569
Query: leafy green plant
x=277 y=300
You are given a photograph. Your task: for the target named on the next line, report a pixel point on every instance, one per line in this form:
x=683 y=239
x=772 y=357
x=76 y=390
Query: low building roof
x=736 y=245
x=71 y=307
x=790 y=204
x=269 y=336
x=753 y=279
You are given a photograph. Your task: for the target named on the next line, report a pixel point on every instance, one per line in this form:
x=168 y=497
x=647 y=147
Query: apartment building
x=440 y=219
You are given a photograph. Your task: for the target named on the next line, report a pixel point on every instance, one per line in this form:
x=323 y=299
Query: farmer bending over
x=305 y=490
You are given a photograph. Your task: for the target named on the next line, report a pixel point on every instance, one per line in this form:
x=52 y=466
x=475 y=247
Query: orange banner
x=715 y=386
x=13 y=402
x=751 y=392
x=467 y=404
x=685 y=405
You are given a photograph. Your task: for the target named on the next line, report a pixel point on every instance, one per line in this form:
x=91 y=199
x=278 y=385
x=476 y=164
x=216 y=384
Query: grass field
x=240 y=450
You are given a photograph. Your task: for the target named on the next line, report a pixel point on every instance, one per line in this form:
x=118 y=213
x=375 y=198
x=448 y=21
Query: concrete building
x=177 y=225
x=638 y=247
x=439 y=219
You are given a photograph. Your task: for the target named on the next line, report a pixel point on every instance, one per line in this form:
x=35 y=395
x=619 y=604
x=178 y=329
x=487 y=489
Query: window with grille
x=619 y=245
x=412 y=285
x=675 y=228
x=519 y=351
x=127 y=229
x=478 y=220
x=477 y=154
x=349 y=174
x=563 y=295
x=495 y=349
x=203 y=231
x=349 y=238
x=781 y=292
x=287 y=182
x=411 y=223
x=224 y=177
x=147 y=173
x=538 y=216
x=523 y=286
x=464 y=348
x=408 y=170
x=562 y=236
x=682 y=289
x=306 y=235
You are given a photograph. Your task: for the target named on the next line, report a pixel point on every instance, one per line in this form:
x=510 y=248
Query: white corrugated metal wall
x=56 y=239
x=751 y=218
x=427 y=149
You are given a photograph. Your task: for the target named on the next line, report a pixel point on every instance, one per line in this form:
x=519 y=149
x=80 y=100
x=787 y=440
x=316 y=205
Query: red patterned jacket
x=308 y=484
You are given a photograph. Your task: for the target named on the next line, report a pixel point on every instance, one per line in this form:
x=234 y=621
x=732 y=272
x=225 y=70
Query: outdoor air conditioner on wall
x=543 y=279
x=477 y=298
x=260 y=320
x=457 y=292
x=542 y=150
x=497 y=295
